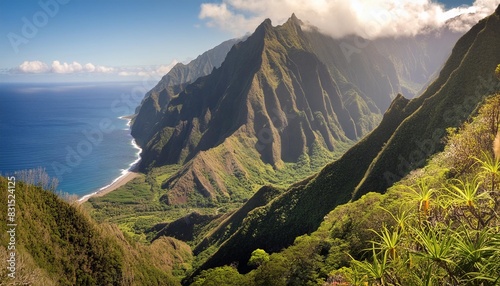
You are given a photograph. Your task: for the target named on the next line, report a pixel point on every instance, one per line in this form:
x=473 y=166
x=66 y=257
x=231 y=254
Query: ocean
x=75 y=131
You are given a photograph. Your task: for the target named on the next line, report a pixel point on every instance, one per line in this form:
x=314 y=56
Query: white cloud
x=89 y=67
x=124 y=73
x=103 y=69
x=367 y=18
x=466 y=17
x=220 y=16
x=32 y=67
x=60 y=68
x=163 y=69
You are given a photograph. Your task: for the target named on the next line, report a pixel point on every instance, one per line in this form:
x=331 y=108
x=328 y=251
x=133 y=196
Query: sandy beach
x=115 y=185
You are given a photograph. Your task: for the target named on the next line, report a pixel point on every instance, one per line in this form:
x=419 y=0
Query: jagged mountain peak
x=272 y=97
x=263 y=29
x=410 y=132
x=292 y=21
x=294 y=18
x=288 y=34
x=266 y=23
x=283 y=95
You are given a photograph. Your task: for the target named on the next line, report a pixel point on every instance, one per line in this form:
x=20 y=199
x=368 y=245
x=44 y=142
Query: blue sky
x=453 y=3
x=55 y=38
x=107 y=33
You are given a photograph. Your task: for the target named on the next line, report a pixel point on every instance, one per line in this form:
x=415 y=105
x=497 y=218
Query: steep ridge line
x=283 y=98
x=301 y=208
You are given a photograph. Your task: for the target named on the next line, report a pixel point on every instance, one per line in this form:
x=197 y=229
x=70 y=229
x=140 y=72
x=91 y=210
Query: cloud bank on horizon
x=57 y=67
x=366 y=18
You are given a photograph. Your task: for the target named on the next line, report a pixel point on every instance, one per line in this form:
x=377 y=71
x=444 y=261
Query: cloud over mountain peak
x=366 y=18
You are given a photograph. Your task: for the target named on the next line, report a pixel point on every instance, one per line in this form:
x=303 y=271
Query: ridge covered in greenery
x=284 y=103
x=301 y=208
x=437 y=226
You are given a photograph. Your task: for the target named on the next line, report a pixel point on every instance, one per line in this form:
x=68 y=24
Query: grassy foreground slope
x=437 y=226
x=58 y=244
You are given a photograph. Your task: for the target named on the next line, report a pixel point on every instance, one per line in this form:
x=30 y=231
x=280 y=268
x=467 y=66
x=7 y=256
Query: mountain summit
x=272 y=97
x=410 y=132
x=282 y=99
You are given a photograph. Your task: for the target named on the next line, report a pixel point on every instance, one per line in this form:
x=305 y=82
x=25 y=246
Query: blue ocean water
x=73 y=131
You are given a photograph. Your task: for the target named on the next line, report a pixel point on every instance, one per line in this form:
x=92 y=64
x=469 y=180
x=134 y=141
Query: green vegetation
x=142 y=203
x=225 y=275
x=259 y=257
x=439 y=225
x=302 y=207
x=136 y=206
x=447 y=102
x=451 y=235
x=58 y=244
x=454 y=242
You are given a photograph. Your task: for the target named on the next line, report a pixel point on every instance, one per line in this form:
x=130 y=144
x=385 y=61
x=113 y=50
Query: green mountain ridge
x=464 y=91
x=300 y=209
x=284 y=101
x=255 y=102
x=171 y=84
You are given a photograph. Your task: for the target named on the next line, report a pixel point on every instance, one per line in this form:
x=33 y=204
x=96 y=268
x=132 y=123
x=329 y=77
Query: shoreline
x=119 y=182
x=125 y=177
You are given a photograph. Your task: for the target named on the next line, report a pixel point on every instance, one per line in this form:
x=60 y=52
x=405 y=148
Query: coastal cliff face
x=283 y=96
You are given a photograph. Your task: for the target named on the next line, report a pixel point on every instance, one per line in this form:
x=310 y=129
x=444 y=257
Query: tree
x=497 y=72
x=259 y=256
x=225 y=275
